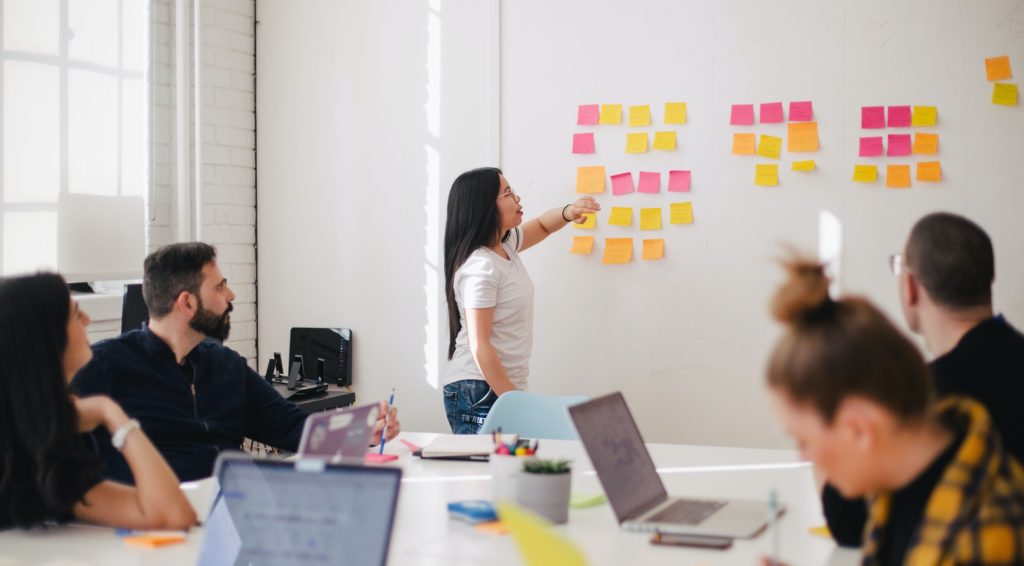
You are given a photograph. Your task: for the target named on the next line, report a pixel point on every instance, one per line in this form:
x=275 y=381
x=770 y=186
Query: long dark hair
x=473 y=221
x=45 y=466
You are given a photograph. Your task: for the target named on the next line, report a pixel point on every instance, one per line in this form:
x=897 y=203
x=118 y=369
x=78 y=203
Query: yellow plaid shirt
x=975 y=514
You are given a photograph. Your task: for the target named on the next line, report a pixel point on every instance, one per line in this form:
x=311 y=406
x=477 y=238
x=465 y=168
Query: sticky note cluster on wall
x=897 y=175
x=590 y=179
x=801 y=132
x=998 y=69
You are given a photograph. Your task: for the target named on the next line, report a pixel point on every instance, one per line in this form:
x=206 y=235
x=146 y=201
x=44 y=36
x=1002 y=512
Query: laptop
x=306 y=512
x=341 y=434
x=635 y=490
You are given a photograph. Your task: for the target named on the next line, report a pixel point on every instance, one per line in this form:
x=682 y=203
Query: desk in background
x=423 y=534
x=334 y=398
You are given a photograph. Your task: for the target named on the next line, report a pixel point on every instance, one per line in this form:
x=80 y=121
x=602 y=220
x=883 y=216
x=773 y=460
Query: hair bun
x=804 y=292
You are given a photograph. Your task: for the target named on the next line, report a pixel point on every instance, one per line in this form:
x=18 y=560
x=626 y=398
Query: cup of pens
x=506 y=462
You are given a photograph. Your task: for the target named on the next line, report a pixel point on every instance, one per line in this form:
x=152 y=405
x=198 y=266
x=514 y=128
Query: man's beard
x=210 y=323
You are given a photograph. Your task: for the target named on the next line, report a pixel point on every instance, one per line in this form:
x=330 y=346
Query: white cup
x=505 y=470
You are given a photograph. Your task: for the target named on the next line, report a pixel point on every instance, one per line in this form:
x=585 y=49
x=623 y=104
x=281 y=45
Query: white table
x=424 y=535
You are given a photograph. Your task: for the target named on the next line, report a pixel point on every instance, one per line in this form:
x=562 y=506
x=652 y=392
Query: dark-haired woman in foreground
x=489 y=293
x=857 y=397
x=48 y=471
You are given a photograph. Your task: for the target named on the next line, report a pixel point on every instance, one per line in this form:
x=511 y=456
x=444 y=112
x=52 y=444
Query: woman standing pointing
x=489 y=293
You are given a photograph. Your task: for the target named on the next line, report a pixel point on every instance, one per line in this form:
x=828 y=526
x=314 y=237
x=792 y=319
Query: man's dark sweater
x=987 y=365
x=191 y=412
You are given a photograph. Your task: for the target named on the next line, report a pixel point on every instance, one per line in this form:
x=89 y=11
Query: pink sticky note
x=588 y=114
x=899 y=144
x=622 y=183
x=742 y=115
x=679 y=181
x=801 y=111
x=771 y=113
x=871 y=147
x=872 y=117
x=649 y=182
x=899 y=116
x=583 y=143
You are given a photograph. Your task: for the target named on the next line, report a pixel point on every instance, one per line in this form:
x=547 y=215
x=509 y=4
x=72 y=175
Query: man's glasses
x=896 y=263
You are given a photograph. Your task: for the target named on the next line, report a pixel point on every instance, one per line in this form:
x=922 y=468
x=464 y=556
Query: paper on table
x=621 y=216
x=590 y=179
x=679 y=181
x=650 y=182
x=538 y=543
x=675 y=112
x=650 y=219
x=588 y=114
x=653 y=249
x=897 y=176
x=617 y=250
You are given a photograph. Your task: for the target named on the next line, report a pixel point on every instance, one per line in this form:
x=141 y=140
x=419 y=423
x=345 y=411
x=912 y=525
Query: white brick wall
x=228 y=156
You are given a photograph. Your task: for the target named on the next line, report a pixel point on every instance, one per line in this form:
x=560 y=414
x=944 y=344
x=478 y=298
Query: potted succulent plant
x=544 y=488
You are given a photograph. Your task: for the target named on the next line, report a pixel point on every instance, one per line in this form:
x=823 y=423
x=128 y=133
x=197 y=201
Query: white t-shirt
x=488 y=280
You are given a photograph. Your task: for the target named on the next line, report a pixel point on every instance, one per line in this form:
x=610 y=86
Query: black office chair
x=133 y=308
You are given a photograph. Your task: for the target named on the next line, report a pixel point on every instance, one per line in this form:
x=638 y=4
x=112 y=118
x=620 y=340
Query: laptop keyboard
x=686 y=512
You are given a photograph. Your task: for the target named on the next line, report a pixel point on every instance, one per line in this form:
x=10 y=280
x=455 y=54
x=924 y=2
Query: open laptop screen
x=273 y=512
x=620 y=458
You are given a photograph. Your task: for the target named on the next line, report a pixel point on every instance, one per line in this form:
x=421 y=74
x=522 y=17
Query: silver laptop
x=345 y=433
x=635 y=490
x=306 y=512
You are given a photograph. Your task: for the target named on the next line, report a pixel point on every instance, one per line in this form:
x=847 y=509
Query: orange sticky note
x=492 y=527
x=744 y=144
x=590 y=221
x=665 y=140
x=766 y=175
x=639 y=116
x=803 y=136
x=610 y=114
x=654 y=249
x=154 y=540
x=926 y=144
x=865 y=173
x=582 y=245
x=617 y=250
x=680 y=213
x=636 y=143
x=590 y=179
x=897 y=176
x=998 y=68
x=924 y=116
x=929 y=171
x=675 y=112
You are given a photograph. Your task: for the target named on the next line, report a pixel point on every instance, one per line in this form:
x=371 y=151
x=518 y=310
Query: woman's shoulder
x=481 y=262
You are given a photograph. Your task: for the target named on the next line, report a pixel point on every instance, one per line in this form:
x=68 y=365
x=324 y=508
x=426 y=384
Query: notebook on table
x=634 y=488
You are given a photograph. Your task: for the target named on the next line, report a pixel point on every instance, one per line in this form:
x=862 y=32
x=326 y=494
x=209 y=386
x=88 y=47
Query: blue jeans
x=467 y=403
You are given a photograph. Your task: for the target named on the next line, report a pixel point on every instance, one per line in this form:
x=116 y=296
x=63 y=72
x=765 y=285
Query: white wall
x=344 y=165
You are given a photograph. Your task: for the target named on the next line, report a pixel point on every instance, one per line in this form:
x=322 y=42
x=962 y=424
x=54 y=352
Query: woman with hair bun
x=857 y=397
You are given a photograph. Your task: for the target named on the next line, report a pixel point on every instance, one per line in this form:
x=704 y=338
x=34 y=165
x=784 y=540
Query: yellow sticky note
x=766 y=175
x=538 y=543
x=639 y=116
x=897 y=176
x=803 y=136
x=926 y=144
x=590 y=223
x=929 y=171
x=804 y=165
x=621 y=216
x=1004 y=94
x=675 y=112
x=665 y=140
x=610 y=114
x=617 y=250
x=998 y=68
x=654 y=249
x=770 y=146
x=865 y=173
x=636 y=143
x=650 y=219
x=924 y=116
x=582 y=245
x=821 y=531
x=743 y=144
x=681 y=213
x=590 y=179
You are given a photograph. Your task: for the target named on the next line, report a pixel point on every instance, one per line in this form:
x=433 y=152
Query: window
x=73 y=120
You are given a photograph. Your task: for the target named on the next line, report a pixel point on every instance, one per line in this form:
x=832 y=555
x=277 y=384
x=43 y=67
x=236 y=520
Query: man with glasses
x=945 y=277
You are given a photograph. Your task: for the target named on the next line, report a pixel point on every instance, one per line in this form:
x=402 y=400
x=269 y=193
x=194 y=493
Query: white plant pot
x=546 y=495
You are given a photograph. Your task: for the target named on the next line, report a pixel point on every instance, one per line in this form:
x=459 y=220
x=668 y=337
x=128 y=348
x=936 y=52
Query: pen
x=387 y=411
x=773 y=510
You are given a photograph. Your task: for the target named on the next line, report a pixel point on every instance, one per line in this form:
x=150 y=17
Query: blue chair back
x=533 y=416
